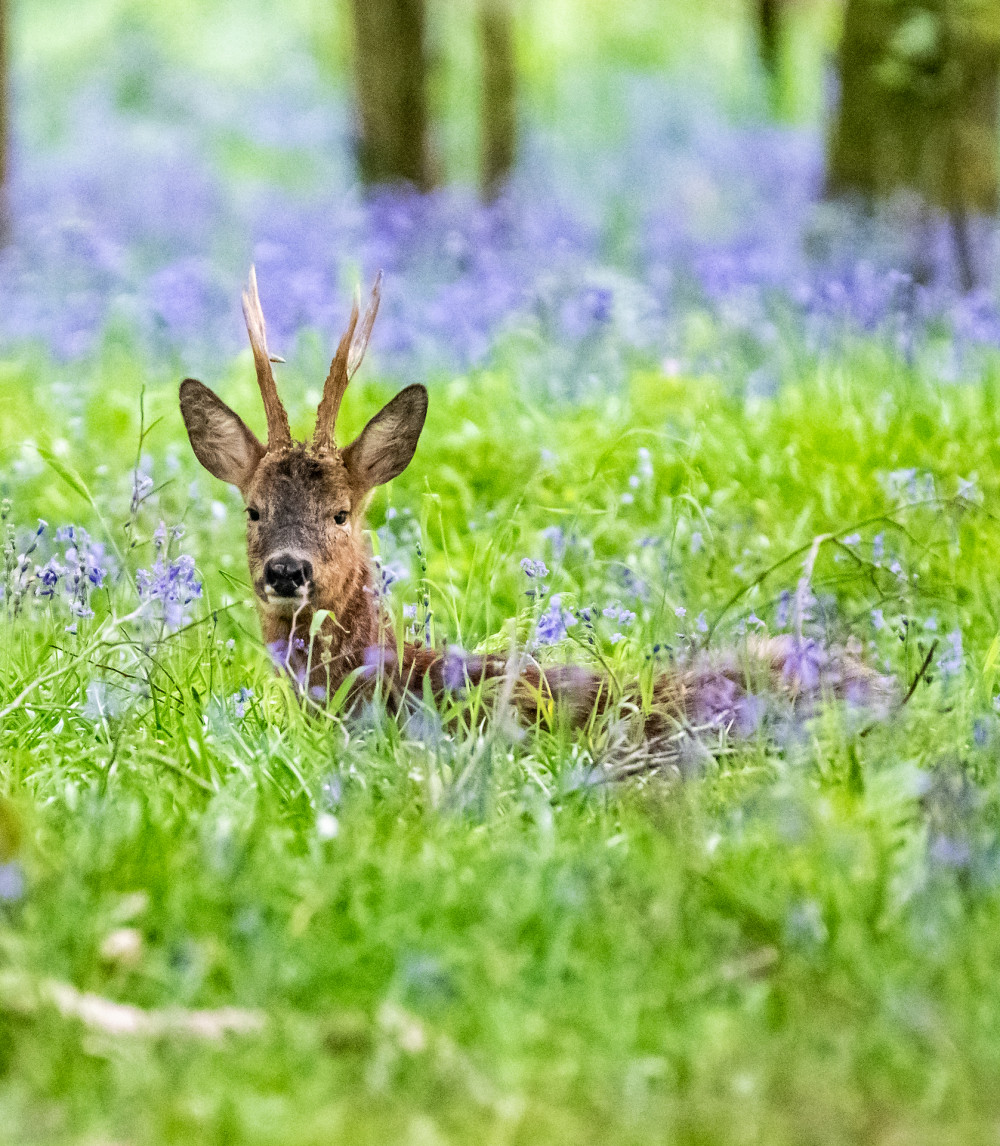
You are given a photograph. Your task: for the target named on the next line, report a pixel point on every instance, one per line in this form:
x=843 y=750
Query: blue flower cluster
x=169 y=588
x=69 y=576
x=685 y=219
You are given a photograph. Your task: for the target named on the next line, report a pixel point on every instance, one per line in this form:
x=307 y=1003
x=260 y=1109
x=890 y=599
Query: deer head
x=305 y=501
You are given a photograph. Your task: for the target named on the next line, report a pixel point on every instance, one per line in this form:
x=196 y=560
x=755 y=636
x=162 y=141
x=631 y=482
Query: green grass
x=463 y=939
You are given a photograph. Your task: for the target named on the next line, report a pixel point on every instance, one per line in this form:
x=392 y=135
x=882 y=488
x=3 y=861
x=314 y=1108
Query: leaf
x=67 y=473
x=317 y=622
x=336 y=702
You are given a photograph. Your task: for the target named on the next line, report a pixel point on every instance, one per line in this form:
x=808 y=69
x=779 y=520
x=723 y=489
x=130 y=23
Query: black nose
x=286 y=575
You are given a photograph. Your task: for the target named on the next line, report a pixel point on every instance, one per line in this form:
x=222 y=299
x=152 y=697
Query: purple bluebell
x=82 y=568
x=168 y=589
x=804 y=663
x=619 y=613
x=588 y=263
x=553 y=623
x=241 y=701
x=532 y=568
x=387 y=575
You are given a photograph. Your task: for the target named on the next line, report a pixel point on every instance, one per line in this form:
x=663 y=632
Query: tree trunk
x=918 y=107
x=769 y=37
x=499 y=110
x=390 y=72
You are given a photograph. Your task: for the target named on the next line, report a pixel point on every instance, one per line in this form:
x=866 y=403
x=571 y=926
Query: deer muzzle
x=287 y=576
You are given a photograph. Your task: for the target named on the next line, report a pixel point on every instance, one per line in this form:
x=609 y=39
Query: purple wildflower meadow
x=724 y=220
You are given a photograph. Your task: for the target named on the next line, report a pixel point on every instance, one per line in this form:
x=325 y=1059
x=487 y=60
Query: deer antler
x=346 y=361
x=278 y=432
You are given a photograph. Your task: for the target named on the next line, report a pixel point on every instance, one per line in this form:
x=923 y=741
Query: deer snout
x=287 y=575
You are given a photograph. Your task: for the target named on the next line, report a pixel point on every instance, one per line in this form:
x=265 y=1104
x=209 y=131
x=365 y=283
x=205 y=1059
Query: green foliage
x=455 y=937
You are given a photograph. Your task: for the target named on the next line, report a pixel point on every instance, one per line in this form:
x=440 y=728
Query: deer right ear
x=221 y=440
x=386 y=445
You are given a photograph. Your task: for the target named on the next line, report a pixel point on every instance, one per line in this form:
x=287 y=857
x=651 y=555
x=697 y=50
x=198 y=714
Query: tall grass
x=451 y=936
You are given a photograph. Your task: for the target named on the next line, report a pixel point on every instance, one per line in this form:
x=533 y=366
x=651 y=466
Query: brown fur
x=724 y=692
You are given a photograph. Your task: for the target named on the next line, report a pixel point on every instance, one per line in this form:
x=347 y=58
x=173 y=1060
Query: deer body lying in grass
x=315 y=584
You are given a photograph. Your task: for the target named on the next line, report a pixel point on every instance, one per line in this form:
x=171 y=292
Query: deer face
x=305 y=502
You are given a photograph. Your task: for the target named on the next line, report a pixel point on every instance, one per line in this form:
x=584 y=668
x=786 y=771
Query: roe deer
x=305 y=503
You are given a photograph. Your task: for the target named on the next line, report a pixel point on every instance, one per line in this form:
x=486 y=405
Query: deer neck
x=320 y=657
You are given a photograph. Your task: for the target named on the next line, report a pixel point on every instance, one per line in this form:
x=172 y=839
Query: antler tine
x=360 y=342
x=350 y=352
x=278 y=431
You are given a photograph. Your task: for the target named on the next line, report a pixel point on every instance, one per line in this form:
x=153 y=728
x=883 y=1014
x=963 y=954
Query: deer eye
x=341 y=517
x=253 y=514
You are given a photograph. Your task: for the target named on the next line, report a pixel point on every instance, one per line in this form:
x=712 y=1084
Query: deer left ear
x=221 y=440
x=385 y=447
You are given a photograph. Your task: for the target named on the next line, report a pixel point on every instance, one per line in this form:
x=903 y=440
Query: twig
x=921 y=673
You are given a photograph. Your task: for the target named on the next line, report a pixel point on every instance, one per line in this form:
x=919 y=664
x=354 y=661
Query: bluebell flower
x=553 y=623
x=804 y=665
x=388 y=574
x=48 y=576
x=142 y=487
x=619 y=613
x=82 y=569
x=241 y=701
x=532 y=568
x=169 y=588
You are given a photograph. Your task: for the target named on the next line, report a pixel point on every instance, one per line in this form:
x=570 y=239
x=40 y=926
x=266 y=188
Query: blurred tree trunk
x=918 y=105
x=769 y=37
x=390 y=74
x=499 y=110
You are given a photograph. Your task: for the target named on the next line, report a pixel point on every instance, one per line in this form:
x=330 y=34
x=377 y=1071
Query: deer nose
x=287 y=575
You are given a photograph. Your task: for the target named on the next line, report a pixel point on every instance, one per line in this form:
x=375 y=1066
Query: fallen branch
x=98 y=1013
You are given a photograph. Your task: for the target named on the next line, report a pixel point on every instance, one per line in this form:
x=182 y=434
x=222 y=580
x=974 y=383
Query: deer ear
x=385 y=446
x=220 y=438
